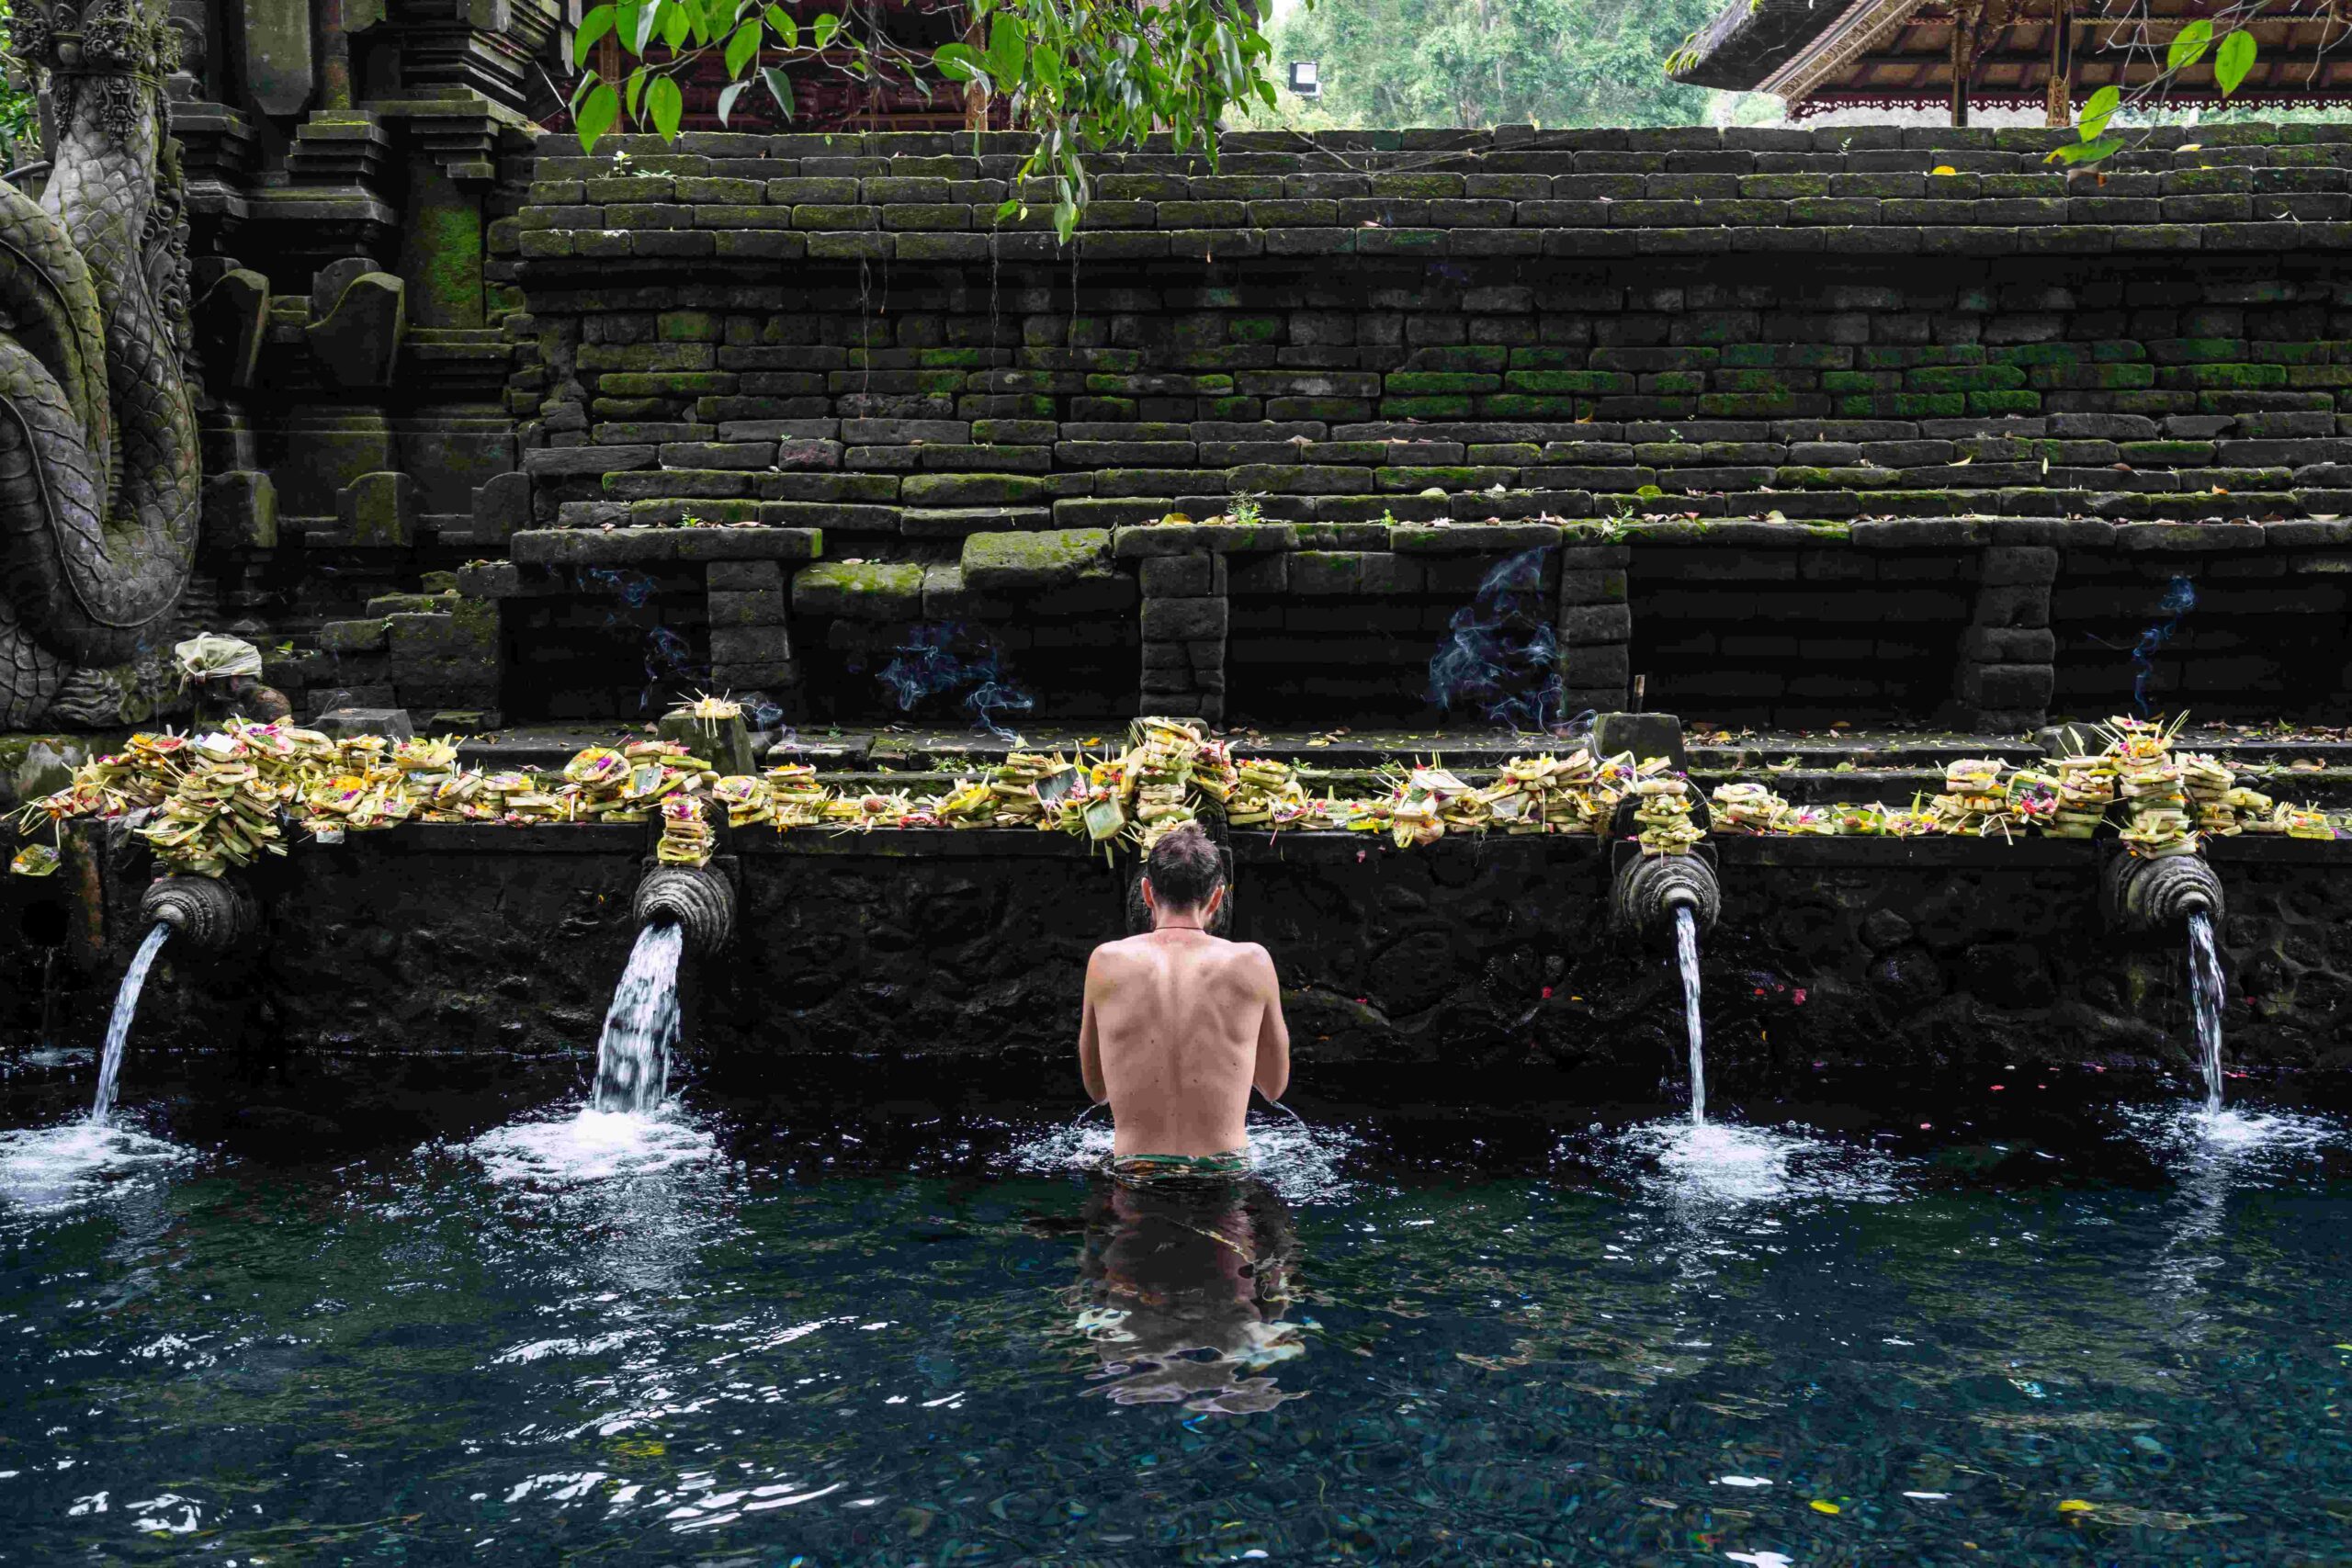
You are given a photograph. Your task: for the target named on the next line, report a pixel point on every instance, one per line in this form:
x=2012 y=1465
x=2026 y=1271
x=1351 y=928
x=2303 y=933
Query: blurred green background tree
x=1471 y=63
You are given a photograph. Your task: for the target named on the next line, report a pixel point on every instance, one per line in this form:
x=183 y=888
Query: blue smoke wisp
x=1501 y=655
x=953 y=660
x=2179 y=598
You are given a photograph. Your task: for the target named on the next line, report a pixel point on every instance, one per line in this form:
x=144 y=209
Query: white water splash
x=47 y=1169
x=2246 y=1143
x=126 y=1007
x=633 y=1056
x=594 y=1146
x=1686 y=952
x=2205 y=993
x=1299 y=1161
x=1715 y=1164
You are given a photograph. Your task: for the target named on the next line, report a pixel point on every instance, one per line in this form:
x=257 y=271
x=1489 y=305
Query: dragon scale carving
x=99 y=461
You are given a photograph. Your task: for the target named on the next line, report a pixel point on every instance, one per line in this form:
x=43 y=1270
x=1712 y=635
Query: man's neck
x=1185 y=920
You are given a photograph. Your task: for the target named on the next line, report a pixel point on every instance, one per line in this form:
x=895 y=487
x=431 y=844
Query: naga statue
x=100 y=482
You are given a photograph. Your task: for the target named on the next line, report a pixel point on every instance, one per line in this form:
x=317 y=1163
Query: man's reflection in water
x=1185 y=1284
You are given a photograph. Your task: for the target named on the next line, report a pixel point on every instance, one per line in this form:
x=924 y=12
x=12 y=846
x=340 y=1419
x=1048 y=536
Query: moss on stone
x=1053 y=558
x=869 y=591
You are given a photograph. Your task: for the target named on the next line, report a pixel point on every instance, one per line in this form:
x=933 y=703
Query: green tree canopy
x=1469 y=63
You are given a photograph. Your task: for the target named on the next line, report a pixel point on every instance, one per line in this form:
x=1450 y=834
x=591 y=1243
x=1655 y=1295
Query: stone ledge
x=559 y=546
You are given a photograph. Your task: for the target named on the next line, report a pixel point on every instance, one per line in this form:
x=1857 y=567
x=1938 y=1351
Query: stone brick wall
x=1880 y=422
x=1919 y=959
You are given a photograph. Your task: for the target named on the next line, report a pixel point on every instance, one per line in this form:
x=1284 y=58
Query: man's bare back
x=1179 y=1025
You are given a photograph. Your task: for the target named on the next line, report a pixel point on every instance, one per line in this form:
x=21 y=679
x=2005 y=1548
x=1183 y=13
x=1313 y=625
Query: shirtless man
x=1180 y=1025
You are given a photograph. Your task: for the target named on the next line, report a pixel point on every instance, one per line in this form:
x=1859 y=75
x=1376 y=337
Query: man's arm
x=1273 y=1035
x=1089 y=1037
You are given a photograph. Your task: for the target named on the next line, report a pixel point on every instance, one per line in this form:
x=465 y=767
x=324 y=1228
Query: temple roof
x=1822 y=54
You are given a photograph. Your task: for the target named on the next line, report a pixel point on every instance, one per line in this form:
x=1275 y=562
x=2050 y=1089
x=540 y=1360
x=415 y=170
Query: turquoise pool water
x=935 y=1340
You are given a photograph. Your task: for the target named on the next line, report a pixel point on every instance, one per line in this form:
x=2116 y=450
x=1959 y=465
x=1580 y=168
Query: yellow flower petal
x=1821 y=1507
x=1943 y=169
x=2075 y=1505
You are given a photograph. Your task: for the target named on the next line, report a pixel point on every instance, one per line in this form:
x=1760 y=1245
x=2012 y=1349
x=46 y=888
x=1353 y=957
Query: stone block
x=2007 y=687
x=1603 y=587
x=1325 y=573
x=1176 y=577
x=1582 y=624
x=1033 y=561
x=502 y=504
x=353 y=637
x=2016 y=564
x=743 y=645
x=1266 y=574
x=748 y=607
x=358 y=343
x=742 y=576
x=2008 y=645
x=1646 y=735
x=725 y=744
x=2024 y=604
x=1183 y=619
x=378 y=511
x=871 y=591
x=241 y=511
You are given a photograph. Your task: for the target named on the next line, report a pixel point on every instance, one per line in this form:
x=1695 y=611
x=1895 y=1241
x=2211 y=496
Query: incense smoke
x=2178 y=600
x=955 y=660
x=668 y=659
x=1502 y=657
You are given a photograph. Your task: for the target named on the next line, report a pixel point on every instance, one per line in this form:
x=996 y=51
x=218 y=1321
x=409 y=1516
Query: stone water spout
x=2143 y=894
x=213 y=914
x=2166 y=893
x=1650 y=889
x=698 y=900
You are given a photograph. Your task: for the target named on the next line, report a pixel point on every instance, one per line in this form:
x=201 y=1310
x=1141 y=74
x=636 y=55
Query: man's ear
x=1216 y=900
x=1149 y=902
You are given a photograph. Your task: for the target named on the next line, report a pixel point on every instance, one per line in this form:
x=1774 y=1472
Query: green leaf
x=676 y=23
x=2233 y=60
x=2188 y=45
x=785 y=28
x=780 y=89
x=596 y=115
x=592 y=27
x=727 y=96
x=2087 y=151
x=825 y=27
x=741 y=47
x=666 y=105
x=1009 y=207
x=1008 y=51
x=1046 y=64
x=639 y=34
x=2098 y=111
x=636 y=91
x=956 y=61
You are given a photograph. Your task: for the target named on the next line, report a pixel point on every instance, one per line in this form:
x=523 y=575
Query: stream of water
x=1686 y=950
x=126 y=1007
x=633 y=1056
x=2205 y=998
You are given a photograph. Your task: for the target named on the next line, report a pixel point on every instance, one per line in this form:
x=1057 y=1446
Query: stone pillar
x=2006 y=670
x=1185 y=616
x=1596 y=627
x=751 y=643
